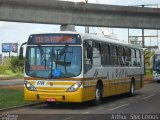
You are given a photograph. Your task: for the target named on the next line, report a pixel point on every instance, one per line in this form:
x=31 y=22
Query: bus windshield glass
x=54 y=61
x=156 y=61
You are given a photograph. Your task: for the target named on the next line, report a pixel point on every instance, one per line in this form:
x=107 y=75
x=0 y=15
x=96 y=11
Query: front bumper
x=58 y=97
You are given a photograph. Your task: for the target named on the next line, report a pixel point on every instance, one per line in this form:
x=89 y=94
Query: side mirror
x=21 y=53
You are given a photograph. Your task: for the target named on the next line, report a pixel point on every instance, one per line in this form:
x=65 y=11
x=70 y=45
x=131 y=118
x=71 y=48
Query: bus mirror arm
x=21 y=51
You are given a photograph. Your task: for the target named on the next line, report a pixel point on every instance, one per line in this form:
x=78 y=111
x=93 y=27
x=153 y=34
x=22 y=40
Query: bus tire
x=98 y=94
x=132 y=88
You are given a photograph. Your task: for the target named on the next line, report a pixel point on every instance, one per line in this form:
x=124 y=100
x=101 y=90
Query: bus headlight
x=29 y=86
x=74 y=87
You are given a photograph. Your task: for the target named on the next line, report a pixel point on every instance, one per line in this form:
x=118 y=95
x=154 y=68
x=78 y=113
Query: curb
x=22 y=106
x=5 y=78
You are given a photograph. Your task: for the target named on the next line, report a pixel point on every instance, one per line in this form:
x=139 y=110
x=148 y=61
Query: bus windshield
x=54 y=61
x=156 y=62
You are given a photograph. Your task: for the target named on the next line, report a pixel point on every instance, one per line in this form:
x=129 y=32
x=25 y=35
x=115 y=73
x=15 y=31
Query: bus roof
x=107 y=39
x=100 y=38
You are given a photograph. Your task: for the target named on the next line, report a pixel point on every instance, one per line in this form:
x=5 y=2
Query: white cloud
x=12 y=32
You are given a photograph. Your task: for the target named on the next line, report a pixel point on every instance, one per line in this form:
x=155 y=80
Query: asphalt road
x=12 y=82
x=145 y=101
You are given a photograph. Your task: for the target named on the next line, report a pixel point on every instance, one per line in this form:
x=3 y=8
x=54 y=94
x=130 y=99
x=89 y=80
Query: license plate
x=51 y=99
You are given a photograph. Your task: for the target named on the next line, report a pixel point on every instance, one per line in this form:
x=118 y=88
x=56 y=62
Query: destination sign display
x=48 y=39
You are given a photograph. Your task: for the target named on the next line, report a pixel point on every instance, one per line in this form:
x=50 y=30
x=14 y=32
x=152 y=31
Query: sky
x=12 y=32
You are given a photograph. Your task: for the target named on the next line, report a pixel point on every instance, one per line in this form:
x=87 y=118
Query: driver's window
x=87 y=55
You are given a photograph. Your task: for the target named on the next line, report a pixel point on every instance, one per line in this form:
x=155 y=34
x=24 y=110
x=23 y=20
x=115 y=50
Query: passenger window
x=120 y=56
x=96 y=60
x=127 y=57
x=138 y=58
x=133 y=58
x=104 y=54
x=113 y=55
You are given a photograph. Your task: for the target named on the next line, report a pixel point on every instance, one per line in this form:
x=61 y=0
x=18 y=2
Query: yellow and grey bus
x=75 y=67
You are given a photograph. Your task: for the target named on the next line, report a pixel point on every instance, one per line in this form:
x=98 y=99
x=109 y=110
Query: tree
x=17 y=65
x=148 y=54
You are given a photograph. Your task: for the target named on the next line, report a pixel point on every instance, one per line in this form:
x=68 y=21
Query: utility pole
x=143 y=34
x=87 y=27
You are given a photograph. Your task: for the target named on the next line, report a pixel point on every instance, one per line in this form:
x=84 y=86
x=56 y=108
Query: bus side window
x=133 y=58
x=113 y=55
x=127 y=57
x=96 y=60
x=138 y=57
x=104 y=54
x=120 y=56
x=87 y=56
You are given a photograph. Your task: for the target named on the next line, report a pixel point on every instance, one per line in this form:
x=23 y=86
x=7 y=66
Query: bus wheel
x=98 y=94
x=132 y=88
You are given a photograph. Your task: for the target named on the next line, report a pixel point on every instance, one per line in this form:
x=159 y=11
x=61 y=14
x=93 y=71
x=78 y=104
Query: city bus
x=156 y=66
x=76 y=67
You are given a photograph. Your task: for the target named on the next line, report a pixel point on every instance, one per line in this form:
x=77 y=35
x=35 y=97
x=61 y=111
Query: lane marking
x=101 y=108
x=118 y=107
x=149 y=96
x=68 y=118
x=86 y=112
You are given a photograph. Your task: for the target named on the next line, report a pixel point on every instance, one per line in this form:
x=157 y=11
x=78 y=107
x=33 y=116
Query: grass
x=10 y=75
x=11 y=98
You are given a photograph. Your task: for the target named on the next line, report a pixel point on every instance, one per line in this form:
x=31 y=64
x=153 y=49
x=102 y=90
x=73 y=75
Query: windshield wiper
x=58 y=56
x=62 y=52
